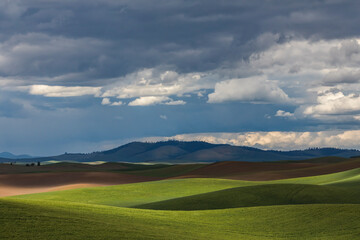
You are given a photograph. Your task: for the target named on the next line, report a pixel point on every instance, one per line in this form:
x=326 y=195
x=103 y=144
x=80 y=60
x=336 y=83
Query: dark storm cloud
x=105 y=39
x=175 y=66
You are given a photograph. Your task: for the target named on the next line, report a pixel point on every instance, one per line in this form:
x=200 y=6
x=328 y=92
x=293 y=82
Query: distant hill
x=12 y=156
x=186 y=152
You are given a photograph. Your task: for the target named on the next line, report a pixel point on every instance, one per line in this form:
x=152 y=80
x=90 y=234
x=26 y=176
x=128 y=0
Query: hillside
x=313 y=207
x=261 y=195
x=37 y=220
x=318 y=207
x=185 y=152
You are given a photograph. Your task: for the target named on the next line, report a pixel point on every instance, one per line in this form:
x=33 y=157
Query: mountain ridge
x=194 y=151
x=13 y=156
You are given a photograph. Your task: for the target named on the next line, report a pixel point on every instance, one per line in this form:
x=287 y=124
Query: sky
x=89 y=75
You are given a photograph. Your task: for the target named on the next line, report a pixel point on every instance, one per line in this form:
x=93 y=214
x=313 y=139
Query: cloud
x=275 y=140
x=253 y=89
x=266 y=77
x=340 y=76
x=163 y=117
x=153 y=100
x=118 y=103
x=177 y=102
x=61 y=91
x=154 y=82
x=307 y=59
x=11 y=9
x=149 y=100
x=281 y=113
x=309 y=71
x=107 y=101
x=172 y=53
x=38 y=54
x=334 y=103
x=165 y=40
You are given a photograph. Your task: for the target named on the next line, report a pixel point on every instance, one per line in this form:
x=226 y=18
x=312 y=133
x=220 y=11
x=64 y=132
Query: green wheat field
x=315 y=207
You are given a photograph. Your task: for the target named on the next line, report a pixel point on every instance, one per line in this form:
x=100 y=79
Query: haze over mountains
x=186 y=152
x=13 y=156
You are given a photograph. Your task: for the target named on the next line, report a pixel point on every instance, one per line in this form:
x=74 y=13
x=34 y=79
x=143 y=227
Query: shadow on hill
x=261 y=195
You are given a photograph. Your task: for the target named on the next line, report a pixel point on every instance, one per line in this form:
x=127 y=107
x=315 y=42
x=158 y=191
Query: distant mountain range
x=186 y=152
x=12 y=156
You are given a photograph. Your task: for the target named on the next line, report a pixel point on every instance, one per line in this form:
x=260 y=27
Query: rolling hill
x=259 y=195
x=25 y=219
x=329 y=188
x=323 y=206
x=317 y=207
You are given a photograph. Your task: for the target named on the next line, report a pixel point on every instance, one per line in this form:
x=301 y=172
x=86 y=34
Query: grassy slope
x=261 y=195
x=68 y=214
x=138 y=193
x=338 y=188
x=323 y=179
x=29 y=219
x=129 y=195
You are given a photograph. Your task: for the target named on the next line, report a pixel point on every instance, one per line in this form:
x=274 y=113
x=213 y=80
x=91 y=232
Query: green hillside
x=127 y=195
x=317 y=207
x=25 y=219
x=261 y=195
x=332 y=178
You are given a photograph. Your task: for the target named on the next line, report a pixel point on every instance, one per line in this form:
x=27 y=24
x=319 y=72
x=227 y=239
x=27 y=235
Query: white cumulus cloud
x=62 y=91
x=330 y=103
x=150 y=100
x=107 y=101
x=177 y=102
x=282 y=113
x=154 y=82
x=252 y=89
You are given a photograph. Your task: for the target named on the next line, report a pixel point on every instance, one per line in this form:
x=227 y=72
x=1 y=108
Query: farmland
x=190 y=201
